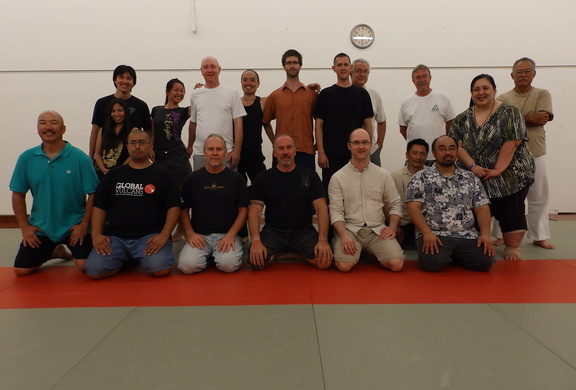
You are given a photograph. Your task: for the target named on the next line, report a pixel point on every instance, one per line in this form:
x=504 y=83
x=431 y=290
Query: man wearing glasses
x=360 y=73
x=445 y=202
x=141 y=204
x=357 y=194
x=292 y=106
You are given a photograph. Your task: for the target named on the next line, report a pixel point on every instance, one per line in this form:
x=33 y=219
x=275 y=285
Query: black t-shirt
x=214 y=199
x=342 y=110
x=288 y=196
x=139 y=112
x=168 y=124
x=136 y=200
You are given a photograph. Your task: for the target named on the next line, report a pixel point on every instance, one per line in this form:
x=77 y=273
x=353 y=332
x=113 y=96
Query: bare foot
x=544 y=244
x=512 y=253
x=61 y=252
x=498 y=242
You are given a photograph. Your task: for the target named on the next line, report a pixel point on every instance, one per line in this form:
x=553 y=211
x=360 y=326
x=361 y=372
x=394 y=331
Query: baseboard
x=8 y=222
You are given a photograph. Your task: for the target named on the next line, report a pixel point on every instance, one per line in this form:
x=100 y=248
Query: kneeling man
x=290 y=194
x=442 y=202
x=141 y=204
x=358 y=193
x=218 y=199
x=62 y=181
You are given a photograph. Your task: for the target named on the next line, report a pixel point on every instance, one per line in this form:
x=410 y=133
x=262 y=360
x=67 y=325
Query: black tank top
x=252 y=127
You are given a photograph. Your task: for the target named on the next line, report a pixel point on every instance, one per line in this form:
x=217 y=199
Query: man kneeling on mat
x=141 y=204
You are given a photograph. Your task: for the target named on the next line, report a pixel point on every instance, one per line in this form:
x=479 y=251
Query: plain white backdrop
x=59 y=54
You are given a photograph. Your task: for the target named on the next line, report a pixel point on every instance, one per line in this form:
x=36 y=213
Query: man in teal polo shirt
x=62 y=181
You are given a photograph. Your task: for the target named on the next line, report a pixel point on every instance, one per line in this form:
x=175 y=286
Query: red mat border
x=531 y=281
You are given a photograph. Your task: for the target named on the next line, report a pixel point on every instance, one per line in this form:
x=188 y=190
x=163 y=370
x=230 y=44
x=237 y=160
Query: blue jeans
x=193 y=260
x=129 y=249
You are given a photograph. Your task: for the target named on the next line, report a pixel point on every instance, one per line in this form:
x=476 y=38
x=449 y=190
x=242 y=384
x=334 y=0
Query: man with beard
x=292 y=106
x=291 y=194
x=140 y=204
x=425 y=114
x=442 y=202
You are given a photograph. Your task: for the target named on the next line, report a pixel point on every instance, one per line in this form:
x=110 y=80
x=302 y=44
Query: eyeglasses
x=358 y=143
x=140 y=142
x=362 y=71
x=523 y=71
x=443 y=149
x=290 y=63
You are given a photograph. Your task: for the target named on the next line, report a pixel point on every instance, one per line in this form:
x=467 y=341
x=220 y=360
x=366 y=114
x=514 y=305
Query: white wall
x=59 y=54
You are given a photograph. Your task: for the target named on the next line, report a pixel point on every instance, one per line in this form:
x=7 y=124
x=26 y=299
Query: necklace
x=488 y=117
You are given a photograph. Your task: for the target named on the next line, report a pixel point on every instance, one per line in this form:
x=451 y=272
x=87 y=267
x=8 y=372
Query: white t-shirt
x=426 y=116
x=214 y=110
x=379 y=115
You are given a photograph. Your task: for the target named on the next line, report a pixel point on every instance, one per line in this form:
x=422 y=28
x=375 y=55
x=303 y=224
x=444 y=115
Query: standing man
x=215 y=108
x=445 y=203
x=218 y=199
x=416 y=153
x=124 y=78
x=426 y=114
x=339 y=109
x=60 y=177
x=358 y=193
x=360 y=73
x=251 y=158
x=535 y=105
x=140 y=204
x=291 y=194
x=292 y=106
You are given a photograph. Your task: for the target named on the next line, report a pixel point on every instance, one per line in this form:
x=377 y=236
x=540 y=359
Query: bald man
x=215 y=109
x=62 y=180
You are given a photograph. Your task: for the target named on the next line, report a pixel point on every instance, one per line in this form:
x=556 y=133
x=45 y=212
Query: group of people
x=137 y=184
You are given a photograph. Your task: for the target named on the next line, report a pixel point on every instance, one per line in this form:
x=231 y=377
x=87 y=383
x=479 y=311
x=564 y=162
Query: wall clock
x=362 y=36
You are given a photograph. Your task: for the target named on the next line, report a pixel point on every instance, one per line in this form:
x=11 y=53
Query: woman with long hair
x=492 y=144
x=167 y=124
x=111 y=148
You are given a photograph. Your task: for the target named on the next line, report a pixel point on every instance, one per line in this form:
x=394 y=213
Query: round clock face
x=362 y=36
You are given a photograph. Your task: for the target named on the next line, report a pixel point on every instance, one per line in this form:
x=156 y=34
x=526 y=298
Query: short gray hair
x=420 y=67
x=362 y=61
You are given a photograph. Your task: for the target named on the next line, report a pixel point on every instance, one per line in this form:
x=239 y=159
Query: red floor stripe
x=532 y=281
